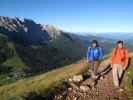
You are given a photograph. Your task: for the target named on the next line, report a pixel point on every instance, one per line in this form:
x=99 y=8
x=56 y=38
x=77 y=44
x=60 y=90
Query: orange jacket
x=120 y=56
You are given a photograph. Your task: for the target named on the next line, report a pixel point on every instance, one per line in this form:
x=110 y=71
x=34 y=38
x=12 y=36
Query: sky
x=74 y=15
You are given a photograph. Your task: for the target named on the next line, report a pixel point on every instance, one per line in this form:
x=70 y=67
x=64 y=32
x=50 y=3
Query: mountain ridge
x=28 y=48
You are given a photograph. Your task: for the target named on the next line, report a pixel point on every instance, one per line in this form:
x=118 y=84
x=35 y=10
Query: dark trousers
x=94 y=66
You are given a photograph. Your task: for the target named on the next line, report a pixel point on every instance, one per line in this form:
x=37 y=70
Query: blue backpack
x=94 y=54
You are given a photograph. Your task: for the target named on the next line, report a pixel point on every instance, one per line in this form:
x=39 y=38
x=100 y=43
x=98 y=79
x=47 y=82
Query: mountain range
x=126 y=36
x=28 y=48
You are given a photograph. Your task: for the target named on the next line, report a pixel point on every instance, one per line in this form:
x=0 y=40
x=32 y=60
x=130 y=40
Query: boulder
x=84 y=88
x=77 y=78
x=74 y=86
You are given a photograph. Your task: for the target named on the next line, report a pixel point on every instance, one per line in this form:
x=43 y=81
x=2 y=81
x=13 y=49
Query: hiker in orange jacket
x=119 y=62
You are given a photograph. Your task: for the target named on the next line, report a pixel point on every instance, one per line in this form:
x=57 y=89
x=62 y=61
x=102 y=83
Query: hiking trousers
x=94 y=66
x=117 y=71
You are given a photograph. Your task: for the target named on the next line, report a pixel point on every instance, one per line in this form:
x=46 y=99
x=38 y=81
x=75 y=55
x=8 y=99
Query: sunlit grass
x=40 y=84
x=129 y=76
x=15 y=61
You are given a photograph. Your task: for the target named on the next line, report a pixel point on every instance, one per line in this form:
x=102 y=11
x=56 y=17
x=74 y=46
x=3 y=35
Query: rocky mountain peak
x=18 y=27
x=11 y=24
x=52 y=30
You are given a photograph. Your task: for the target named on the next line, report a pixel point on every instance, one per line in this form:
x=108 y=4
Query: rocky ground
x=84 y=87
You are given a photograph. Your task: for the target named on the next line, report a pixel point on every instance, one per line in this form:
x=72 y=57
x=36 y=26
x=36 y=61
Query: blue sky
x=75 y=15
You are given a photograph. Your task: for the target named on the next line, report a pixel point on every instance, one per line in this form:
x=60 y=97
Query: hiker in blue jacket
x=94 y=57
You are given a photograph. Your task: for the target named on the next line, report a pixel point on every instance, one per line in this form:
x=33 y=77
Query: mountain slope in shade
x=35 y=48
x=25 y=31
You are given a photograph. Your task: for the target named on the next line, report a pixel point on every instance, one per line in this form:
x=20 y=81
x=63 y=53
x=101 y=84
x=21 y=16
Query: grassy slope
x=45 y=82
x=40 y=61
x=129 y=75
x=40 y=84
x=14 y=61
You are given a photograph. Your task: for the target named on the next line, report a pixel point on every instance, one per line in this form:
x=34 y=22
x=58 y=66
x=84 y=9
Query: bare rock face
x=53 y=32
x=22 y=30
x=27 y=30
x=15 y=24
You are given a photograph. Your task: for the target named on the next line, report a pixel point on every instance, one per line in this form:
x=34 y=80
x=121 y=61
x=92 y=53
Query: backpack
x=98 y=48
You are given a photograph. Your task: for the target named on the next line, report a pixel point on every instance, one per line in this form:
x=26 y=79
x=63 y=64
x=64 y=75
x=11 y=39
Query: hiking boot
x=102 y=77
x=90 y=71
x=121 y=89
x=94 y=76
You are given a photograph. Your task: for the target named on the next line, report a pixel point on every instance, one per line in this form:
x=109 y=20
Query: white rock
x=77 y=78
x=74 y=86
x=102 y=77
x=75 y=98
x=84 y=88
x=69 y=89
x=70 y=80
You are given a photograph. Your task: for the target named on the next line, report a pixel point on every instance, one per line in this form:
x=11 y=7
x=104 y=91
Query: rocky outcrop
x=27 y=31
x=23 y=31
x=100 y=88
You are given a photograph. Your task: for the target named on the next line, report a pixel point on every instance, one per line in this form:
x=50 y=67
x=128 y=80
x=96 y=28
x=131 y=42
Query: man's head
x=120 y=44
x=94 y=43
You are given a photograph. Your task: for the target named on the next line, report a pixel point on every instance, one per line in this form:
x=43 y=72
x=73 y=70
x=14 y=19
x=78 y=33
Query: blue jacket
x=94 y=53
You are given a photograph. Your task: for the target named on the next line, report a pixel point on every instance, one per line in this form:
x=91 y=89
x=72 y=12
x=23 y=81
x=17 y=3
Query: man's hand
x=124 y=68
x=110 y=62
x=111 y=65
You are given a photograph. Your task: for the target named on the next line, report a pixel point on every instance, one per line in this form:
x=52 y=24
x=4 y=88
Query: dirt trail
x=103 y=90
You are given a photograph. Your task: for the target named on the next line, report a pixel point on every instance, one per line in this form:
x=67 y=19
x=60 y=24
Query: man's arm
x=87 y=54
x=112 y=55
x=101 y=53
